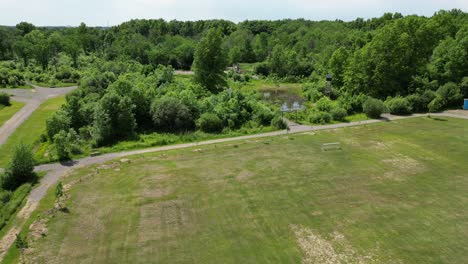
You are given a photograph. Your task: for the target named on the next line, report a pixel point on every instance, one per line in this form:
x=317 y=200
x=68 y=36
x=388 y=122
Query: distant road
x=33 y=99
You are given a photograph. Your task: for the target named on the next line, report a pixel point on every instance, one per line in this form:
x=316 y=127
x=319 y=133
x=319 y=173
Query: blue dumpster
x=465 y=106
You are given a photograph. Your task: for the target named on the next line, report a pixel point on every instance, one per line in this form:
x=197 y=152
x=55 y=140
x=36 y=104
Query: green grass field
x=31 y=129
x=6 y=112
x=396 y=192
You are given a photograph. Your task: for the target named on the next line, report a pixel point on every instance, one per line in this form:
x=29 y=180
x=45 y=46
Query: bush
x=262 y=114
x=61 y=145
x=21 y=168
x=464 y=87
x=419 y=102
x=352 y=103
x=4 y=99
x=320 y=117
x=373 y=108
x=324 y=104
x=338 y=113
x=171 y=115
x=437 y=104
x=450 y=93
x=15 y=200
x=262 y=68
x=59 y=121
x=278 y=123
x=210 y=123
x=398 y=106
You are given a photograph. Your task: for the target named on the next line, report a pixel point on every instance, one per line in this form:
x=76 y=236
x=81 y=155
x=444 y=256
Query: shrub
x=21 y=168
x=4 y=99
x=398 y=106
x=324 y=104
x=262 y=68
x=57 y=122
x=60 y=141
x=210 y=123
x=373 y=108
x=450 y=93
x=262 y=114
x=352 y=103
x=15 y=200
x=66 y=143
x=320 y=117
x=464 y=87
x=338 y=113
x=278 y=122
x=419 y=102
x=437 y=104
x=169 y=114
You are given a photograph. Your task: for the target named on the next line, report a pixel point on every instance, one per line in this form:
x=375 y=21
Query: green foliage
x=210 y=61
x=66 y=144
x=262 y=114
x=319 y=117
x=450 y=93
x=398 y=106
x=170 y=114
x=262 y=68
x=419 y=102
x=4 y=99
x=373 y=108
x=59 y=190
x=278 y=122
x=11 y=75
x=464 y=87
x=21 y=242
x=60 y=121
x=437 y=104
x=10 y=202
x=61 y=145
x=210 y=123
x=324 y=104
x=21 y=168
x=338 y=113
x=114 y=119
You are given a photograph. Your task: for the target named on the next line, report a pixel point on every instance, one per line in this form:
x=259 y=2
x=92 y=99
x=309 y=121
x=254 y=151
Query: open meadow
x=396 y=192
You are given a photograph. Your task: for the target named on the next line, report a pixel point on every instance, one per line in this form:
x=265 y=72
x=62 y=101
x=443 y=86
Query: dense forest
x=126 y=75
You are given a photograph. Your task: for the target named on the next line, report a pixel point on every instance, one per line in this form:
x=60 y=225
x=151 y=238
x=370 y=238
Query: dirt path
x=56 y=171
x=33 y=99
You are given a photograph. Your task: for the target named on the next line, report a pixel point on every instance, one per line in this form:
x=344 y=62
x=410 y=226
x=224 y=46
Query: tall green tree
x=211 y=61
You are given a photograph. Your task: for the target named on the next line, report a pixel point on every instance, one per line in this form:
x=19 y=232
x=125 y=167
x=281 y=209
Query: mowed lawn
x=31 y=129
x=396 y=192
x=6 y=112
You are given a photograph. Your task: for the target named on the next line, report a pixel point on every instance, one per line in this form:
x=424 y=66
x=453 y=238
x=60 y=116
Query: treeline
x=387 y=56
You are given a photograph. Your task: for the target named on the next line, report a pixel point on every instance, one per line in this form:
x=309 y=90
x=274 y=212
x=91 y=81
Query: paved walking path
x=33 y=99
x=56 y=171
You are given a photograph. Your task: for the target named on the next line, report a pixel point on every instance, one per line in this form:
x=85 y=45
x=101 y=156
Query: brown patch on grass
x=160 y=220
x=108 y=166
x=319 y=250
x=402 y=164
x=244 y=175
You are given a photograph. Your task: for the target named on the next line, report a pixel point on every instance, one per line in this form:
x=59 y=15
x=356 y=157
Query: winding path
x=55 y=171
x=33 y=99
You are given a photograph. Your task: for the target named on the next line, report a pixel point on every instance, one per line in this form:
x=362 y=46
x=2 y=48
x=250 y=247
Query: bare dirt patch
x=402 y=165
x=162 y=219
x=319 y=250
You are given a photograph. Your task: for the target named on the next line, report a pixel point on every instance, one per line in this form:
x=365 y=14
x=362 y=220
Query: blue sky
x=112 y=12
